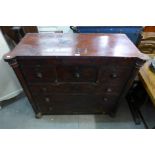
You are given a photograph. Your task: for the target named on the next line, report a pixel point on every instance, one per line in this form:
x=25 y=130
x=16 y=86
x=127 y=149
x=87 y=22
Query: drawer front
x=75 y=89
x=77 y=73
x=115 y=75
x=75 y=104
x=39 y=74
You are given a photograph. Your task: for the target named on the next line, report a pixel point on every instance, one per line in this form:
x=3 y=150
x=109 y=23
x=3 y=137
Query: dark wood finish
x=75 y=104
x=75 y=73
x=75 y=88
x=75 y=45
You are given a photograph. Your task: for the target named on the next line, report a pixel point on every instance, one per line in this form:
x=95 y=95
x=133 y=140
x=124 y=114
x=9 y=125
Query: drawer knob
x=47 y=99
x=77 y=75
x=114 y=75
x=109 y=90
x=44 y=89
x=39 y=75
x=38 y=66
x=105 y=99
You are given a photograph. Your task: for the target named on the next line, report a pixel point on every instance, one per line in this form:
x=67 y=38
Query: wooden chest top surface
x=59 y=44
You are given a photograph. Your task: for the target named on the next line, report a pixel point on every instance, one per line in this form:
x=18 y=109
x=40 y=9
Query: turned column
x=14 y=64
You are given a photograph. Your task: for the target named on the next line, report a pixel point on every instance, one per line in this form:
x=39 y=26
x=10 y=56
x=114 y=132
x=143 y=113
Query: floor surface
x=19 y=115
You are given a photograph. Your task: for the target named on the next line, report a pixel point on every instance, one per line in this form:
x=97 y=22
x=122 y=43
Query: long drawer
x=69 y=104
x=76 y=88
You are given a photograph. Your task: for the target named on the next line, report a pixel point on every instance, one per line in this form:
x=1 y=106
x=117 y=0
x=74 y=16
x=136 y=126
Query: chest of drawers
x=75 y=73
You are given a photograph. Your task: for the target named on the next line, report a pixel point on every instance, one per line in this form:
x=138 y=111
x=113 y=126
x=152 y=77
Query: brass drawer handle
x=114 y=75
x=77 y=75
x=44 y=89
x=105 y=99
x=47 y=99
x=39 y=75
x=38 y=65
x=109 y=90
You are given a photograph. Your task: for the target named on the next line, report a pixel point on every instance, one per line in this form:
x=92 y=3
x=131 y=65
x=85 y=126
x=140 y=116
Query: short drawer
x=115 y=75
x=75 y=104
x=77 y=73
x=39 y=74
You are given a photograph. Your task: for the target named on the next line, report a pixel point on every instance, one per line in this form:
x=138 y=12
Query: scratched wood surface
x=49 y=44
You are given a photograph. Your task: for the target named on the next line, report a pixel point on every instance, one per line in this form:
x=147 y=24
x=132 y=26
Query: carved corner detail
x=13 y=63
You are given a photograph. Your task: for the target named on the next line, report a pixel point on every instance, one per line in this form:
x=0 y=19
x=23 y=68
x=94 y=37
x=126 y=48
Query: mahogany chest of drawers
x=75 y=73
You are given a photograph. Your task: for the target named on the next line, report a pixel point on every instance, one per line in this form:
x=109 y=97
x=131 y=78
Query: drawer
x=115 y=75
x=69 y=88
x=62 y=88
x=75 y=104
x=39 y=74
x=77 y=73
